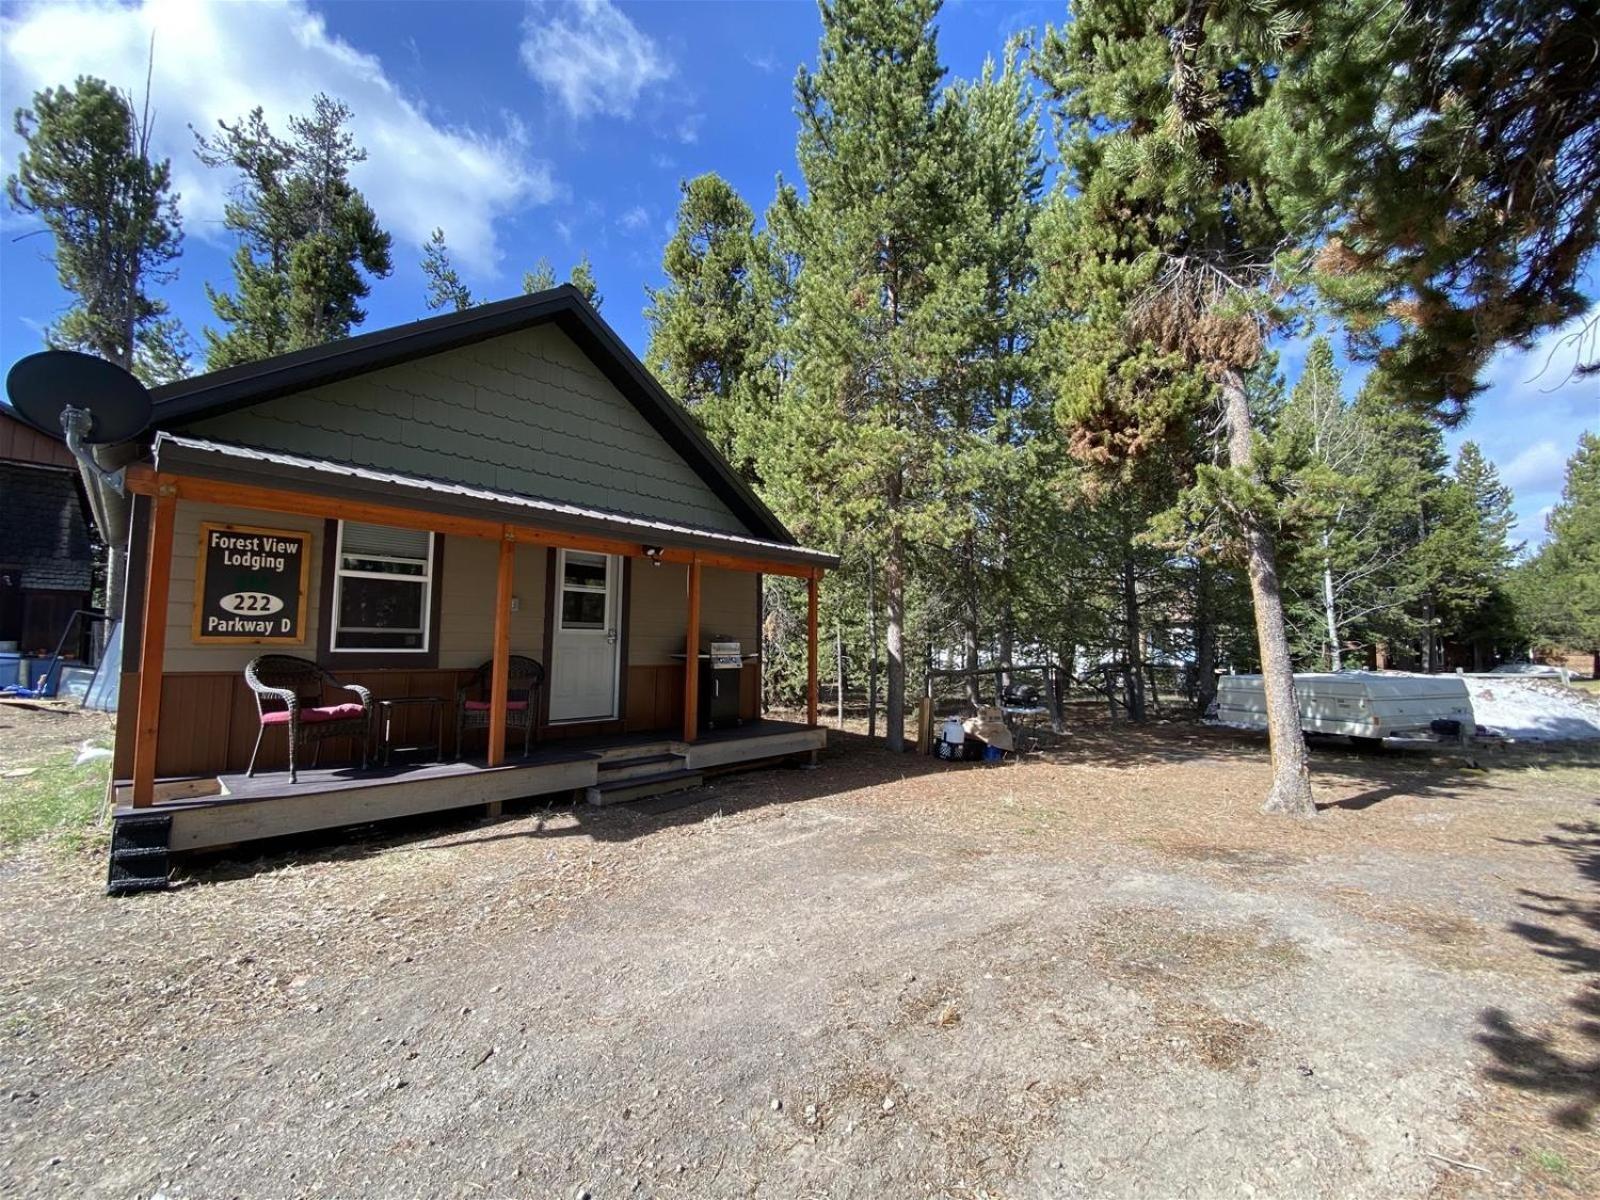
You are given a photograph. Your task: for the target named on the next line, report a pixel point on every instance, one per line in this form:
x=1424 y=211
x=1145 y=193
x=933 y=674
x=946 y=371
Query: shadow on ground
x=1564 y=1063
x=853 y=761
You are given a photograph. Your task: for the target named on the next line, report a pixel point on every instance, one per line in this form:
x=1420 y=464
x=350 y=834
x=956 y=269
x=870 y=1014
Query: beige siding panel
x=660 y=608
x=526 y=413
x=658 y=605
x=182 y=653
x=466 y=614
x=728 y=606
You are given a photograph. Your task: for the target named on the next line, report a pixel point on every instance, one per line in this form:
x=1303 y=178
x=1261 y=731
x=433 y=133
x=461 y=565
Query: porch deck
x=239 y=808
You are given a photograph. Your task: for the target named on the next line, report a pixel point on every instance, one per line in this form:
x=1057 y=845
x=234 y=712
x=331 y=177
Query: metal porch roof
x=226 y=461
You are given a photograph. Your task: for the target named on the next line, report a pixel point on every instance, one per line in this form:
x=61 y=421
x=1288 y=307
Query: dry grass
x=1156 y=948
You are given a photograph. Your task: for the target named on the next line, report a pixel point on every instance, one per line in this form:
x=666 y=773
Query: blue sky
x=529 y=129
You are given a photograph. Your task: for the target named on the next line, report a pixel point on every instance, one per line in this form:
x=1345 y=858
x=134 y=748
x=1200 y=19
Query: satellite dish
x=47 y=386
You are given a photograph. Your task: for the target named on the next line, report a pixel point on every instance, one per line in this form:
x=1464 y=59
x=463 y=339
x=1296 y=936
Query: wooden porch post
x=153 y=647
x=500 y=678
x=691 y=661
x=811 y=648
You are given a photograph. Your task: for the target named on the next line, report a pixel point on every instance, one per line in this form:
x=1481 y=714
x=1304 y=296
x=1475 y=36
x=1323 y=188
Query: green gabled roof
x=217 y=392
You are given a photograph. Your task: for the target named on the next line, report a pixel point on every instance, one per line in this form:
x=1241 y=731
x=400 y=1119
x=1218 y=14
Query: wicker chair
x=522 y=704
x=296 y=684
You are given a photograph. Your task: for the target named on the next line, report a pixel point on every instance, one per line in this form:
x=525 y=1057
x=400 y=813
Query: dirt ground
x=1100 y=972
x=33 y=733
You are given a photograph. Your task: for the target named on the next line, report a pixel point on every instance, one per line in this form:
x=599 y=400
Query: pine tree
x=862 y=444
x=1167 y=115
x=1473 y=601
x=582 y=278
x=1408 y=478
x=703 y=322
x=1453 y=147
x=1558 y=590
x=541 y=279
x=85 y=170
x=444 y=284
x=308 y=239
x=995 y=460
x=1349 y=568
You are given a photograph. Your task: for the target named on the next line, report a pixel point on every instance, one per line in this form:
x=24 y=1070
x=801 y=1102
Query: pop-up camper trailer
x=1357 y=704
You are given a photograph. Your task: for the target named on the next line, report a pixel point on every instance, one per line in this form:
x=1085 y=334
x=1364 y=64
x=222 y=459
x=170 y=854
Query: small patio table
x=386 y=714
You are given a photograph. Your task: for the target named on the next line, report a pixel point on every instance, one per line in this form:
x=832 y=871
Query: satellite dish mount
x=90 y=401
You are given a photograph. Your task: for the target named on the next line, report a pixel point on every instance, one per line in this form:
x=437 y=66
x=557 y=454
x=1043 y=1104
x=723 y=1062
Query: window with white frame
x=382 y=588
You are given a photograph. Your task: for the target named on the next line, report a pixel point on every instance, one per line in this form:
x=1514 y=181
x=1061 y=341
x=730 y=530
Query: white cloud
x=1539 y=468
x=221 y=60
x=635 y=219
x=591 y=56
x=1542 y=377
x=689 y=128
x=765 y=63
x=1529 y=418
x=1530 y=530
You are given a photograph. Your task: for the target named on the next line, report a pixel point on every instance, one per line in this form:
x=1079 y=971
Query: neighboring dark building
x=46 y=555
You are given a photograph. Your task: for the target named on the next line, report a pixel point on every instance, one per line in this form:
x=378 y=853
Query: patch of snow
x=1533 y=710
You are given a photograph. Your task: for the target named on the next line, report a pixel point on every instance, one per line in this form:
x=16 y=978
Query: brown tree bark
x=894 y=588
x=1290 y=793
x=872 y=652
x=1205 y=638
x=1132 y=632
x=970 y=620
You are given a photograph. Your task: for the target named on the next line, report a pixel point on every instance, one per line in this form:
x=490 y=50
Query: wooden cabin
x=405 y=508
x=46 y=557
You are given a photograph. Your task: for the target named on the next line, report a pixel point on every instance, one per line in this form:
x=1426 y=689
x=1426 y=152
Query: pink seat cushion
x=311 y=716
x=483 y=705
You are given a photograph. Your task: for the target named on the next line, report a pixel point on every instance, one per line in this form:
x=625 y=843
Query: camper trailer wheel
x=1367 y=745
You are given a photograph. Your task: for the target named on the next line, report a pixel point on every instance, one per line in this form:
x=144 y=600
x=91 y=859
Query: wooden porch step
x=139 y=853
x=637 y=787
x=631 y=749
x=613 y=769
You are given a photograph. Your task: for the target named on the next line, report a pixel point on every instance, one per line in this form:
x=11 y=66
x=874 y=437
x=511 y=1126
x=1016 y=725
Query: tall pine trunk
x=1132 y=632
x=1008 y=641
x=1008 y=615
x=1428 y=663
x=970 y=619
x=872 y=652
x=1291 y=776
x=1205 y=637
x=894 y=588
x=1330 y=611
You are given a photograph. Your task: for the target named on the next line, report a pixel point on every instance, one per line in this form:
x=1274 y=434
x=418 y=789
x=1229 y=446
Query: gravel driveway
x=1101 y=973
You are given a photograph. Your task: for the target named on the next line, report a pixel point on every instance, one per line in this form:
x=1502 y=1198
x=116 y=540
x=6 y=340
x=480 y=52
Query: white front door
x=586 y=648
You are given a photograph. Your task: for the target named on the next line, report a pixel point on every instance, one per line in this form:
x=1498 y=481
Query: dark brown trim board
x=133 y=586
x=624 y=619
x=549 y=636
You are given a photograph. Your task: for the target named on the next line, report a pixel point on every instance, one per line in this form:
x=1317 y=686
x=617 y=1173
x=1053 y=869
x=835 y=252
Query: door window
x=583 y=590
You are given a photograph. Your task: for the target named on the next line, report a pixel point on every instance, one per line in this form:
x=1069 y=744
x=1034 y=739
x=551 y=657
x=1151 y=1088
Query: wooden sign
x=250 y=585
